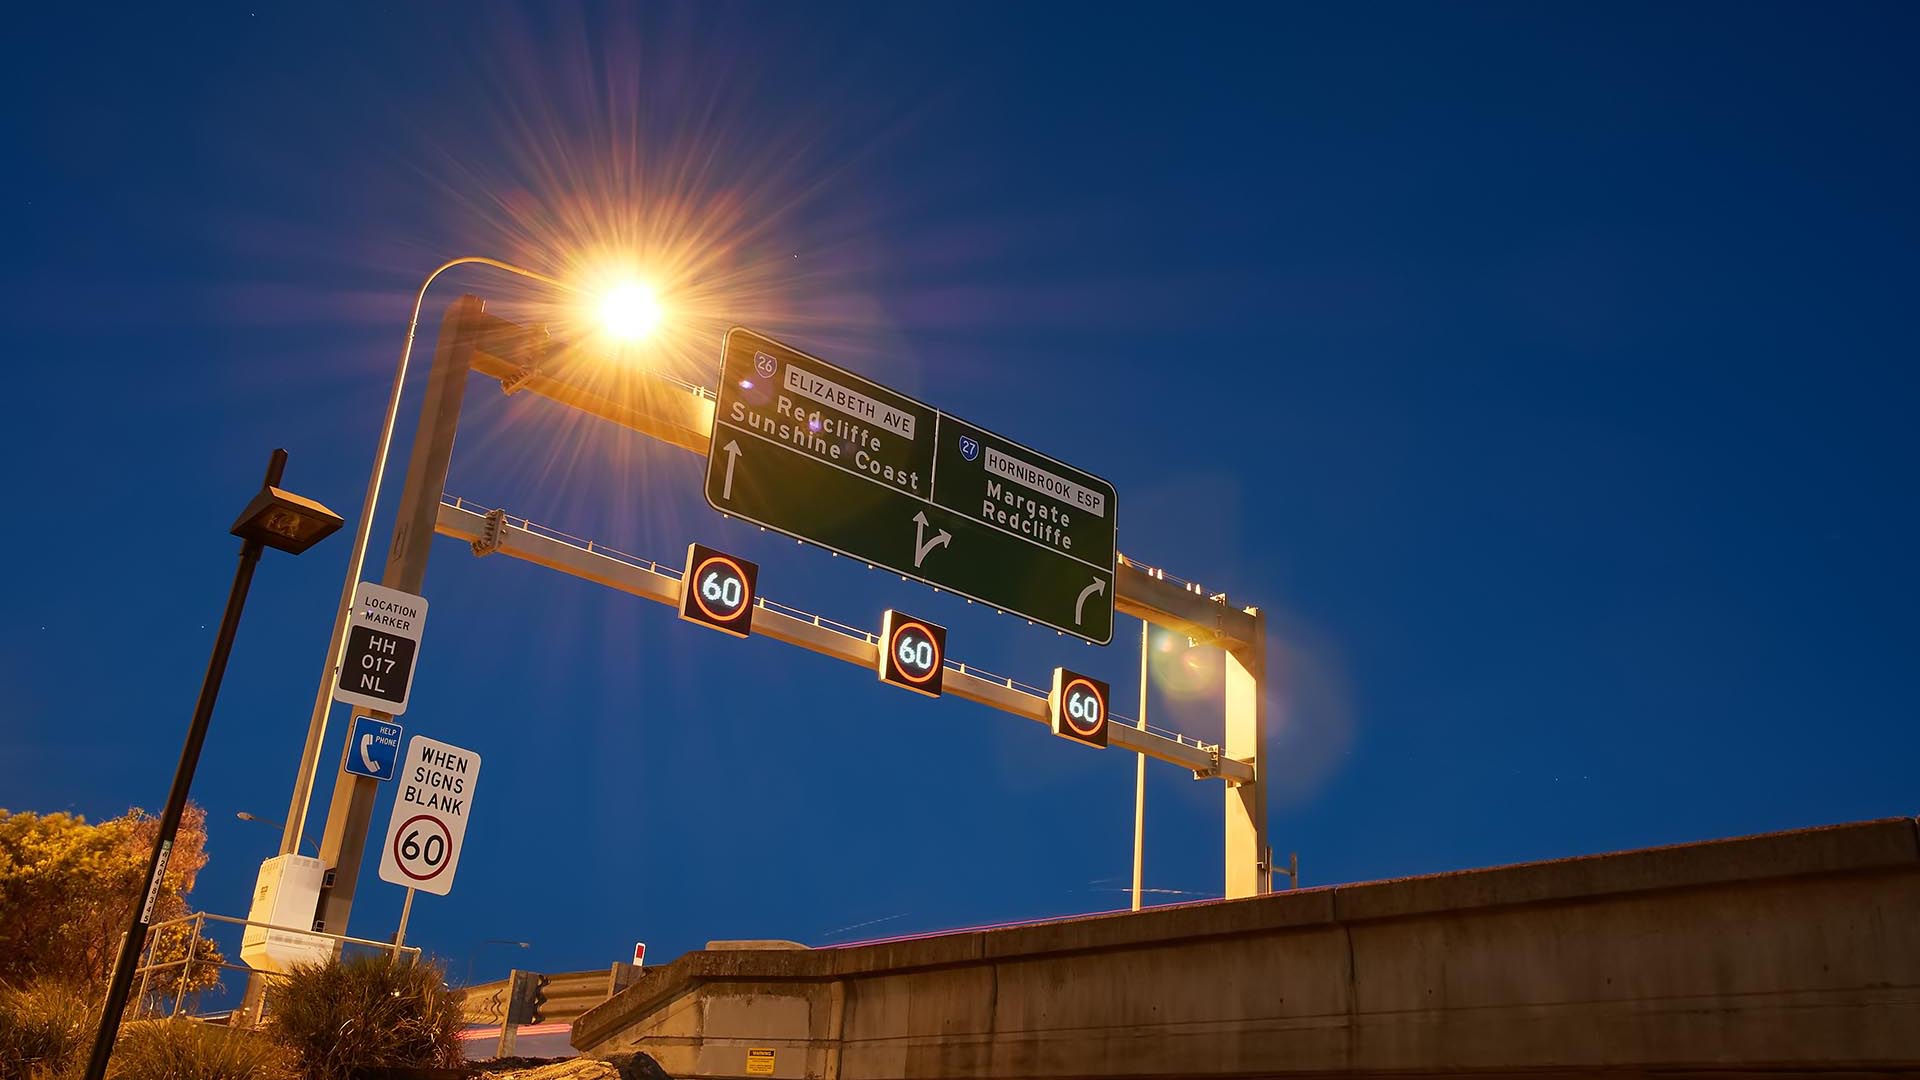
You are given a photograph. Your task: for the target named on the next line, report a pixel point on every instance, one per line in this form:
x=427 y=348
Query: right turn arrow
x=1097 y=588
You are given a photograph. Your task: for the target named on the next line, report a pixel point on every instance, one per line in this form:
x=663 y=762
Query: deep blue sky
x=1546 y=371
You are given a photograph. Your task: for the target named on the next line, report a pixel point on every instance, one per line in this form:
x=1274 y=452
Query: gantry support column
x=350 y=814
x=1247 y=854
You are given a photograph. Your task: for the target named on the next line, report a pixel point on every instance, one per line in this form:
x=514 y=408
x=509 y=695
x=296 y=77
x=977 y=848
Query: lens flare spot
x=631 y=311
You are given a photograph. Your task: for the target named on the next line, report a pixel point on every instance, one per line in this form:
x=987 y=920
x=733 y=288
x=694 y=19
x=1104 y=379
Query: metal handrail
x=197 y=934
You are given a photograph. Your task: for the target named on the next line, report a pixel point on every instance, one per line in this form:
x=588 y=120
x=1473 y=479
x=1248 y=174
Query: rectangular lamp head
x=283 y=520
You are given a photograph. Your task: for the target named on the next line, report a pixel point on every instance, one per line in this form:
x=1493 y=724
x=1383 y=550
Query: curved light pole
x=260 y=820
x=356 y=559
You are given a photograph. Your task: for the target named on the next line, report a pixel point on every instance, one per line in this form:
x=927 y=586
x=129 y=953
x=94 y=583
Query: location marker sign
x=913 y=653
x=717 y=590
x=383 y=643
x=1078 y=707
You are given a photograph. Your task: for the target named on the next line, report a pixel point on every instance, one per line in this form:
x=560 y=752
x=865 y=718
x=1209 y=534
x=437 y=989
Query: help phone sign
x=432 y=799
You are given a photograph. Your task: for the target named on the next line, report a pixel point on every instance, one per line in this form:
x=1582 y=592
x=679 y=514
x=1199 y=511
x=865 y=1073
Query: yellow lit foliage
x=67 y=889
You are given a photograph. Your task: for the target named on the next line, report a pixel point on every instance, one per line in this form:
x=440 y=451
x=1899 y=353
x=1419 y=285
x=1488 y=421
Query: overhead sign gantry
x=527 y=359
x=824 y=455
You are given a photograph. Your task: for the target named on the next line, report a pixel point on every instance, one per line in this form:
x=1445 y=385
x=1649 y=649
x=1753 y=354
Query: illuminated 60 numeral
x=722 y=589
x=1084 y=707
x=916 y=653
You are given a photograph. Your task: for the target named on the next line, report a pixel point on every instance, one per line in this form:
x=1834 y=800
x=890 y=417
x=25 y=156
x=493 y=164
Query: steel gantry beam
x=492 y=531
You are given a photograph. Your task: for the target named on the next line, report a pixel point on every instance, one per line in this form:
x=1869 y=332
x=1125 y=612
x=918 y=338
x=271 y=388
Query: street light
x=629 y=308
x=631 y=311
x=356 y=560
x=273 y=519
x=244 y=816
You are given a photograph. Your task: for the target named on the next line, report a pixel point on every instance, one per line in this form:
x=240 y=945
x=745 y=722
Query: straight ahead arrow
x=733 y=454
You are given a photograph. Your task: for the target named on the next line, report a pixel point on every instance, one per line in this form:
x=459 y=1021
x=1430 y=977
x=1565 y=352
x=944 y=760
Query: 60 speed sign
x=912 y=652
x=717 y=590
x=431 y=804
x=1078 y=707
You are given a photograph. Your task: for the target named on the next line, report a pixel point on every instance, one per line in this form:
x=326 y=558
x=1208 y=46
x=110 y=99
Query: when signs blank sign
x=431 y=804
x=383 y=643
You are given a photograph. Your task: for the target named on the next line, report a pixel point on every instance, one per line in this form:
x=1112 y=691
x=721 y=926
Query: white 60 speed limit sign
x=431 y=803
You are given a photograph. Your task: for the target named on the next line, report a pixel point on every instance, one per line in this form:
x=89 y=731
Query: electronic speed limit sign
x=913 y=653
x=1078 y=705
x=432 y=799
x=717 y=590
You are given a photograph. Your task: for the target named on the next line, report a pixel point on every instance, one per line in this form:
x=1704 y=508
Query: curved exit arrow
x=1098 y=587
x=920 y=550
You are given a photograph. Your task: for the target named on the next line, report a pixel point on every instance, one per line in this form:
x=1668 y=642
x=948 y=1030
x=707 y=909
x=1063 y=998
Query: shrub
x=185 y=1049
x=45 y=1029
x=366 y=1011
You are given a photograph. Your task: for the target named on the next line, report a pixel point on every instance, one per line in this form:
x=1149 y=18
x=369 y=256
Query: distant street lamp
x=275 y=519
x=491 y=941
x=244 y=816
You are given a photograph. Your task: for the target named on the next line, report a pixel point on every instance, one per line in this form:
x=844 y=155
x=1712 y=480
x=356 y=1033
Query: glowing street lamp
x=357 y=557
x=631 y=311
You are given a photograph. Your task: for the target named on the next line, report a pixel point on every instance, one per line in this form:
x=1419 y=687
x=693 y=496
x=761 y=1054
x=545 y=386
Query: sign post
x=400 y=934
x=824 y=455
x=431 y=805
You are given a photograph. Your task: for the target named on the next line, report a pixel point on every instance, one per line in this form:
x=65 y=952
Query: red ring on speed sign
x=894 y=643
x=399 y=834
x=739 y=574
x=1066 y=697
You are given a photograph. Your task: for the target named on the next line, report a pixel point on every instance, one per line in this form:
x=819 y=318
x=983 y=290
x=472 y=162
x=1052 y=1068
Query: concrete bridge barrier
x=1783 y=955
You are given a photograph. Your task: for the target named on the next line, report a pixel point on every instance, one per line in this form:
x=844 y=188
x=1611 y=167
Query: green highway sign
x=824 y=455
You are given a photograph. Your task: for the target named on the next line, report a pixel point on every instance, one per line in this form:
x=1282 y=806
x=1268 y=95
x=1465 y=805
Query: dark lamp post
x=275 y=519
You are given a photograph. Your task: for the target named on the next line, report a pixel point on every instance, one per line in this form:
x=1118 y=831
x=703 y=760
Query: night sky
x=1546 y=372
